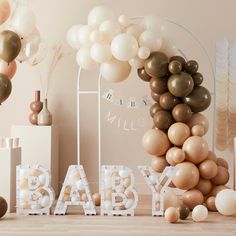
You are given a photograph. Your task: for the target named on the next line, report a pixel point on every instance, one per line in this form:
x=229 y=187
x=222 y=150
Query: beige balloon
x=199 y=119
x=222 y=176
x=5 y=11
x=9 y=69
x=193 y=198
x=156 y=142
x=159 y=164
x=198 y=130
x=208 y=169
x=175 y=155
x=204 y=186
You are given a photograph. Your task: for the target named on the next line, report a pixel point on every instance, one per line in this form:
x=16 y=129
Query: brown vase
x=35 y=107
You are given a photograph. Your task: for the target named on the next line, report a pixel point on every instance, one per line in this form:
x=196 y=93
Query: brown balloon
x=5 y=88
x=179 y=59
x=163 y=120
x=199 y=99
x=182 y=113
x=197 y=79
x=168 y=101
x=155 y=108
x=208 y=169
x=3 y=207
x=157 y=64
x=159 y=164
x=204 y=186
x=193 y=198
x=180 y=85
x=10 y=45
x=222 y=162
x=143 y=75
x=158 y=85
x=210 y=203
x=191 y=67
x=222 y=176
x=155 y=96
x=175 y=67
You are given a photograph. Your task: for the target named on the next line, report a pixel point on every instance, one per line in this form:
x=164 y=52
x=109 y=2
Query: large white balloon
x=23 y=20
x=101 y=52
x=72 y=36
x=84 y=59
x=109 y=29
x=151 y=40
x=124 y=47
x=226 y=202
x=84 y=35
x=115 y=71
x=99 y=14
x=152 y=23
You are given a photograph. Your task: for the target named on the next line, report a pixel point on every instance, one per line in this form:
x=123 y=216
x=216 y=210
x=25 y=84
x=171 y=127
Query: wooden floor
x=142 y=224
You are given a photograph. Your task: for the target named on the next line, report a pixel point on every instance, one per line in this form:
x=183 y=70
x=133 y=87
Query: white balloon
x=72 y=36
x=45 y=201
x=110 y=29
x=115 y=71
x=134 y=30
x=23 y=20
x=84 y=35
x=143 y=52
x=124 y=20
x=136 y=62
x=124 y=47
x=96 y=36
x=226 y=202
x=101 y=52
x=168 y=47
x=99 y=14
x=84 y=59
x=199 y=213
x=151 y=40
x=152 y=23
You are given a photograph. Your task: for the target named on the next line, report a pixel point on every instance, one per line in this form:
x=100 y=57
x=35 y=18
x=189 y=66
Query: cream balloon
x=199 y=213
x=143 y=53
x=199 y=119
x=115 y=71
x=23 y=20
x=151 y=40
x=96 y=36
x=152 y=23
x=72 y=36
x=124 y=47
x=134 y=30
x=124 y=20
x=168 y=47
x=101 y=52
x=84 y=59
x=84 y=35
x=5 y=11
x=136 y=63
x=109 y=29
x=100 y=14
x=9 y=69
x=226 y=202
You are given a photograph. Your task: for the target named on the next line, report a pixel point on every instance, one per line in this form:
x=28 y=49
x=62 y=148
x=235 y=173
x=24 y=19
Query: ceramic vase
x=45 y=116
x=35 y=107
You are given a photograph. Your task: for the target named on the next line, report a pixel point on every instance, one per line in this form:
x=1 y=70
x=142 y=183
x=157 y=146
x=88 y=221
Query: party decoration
x=5 y=88
x=199 y=213
x=34 y=193
x=3 y=207
x=9 y=69
x=10 y=45
x=5 y=10
x=161 y=198
x=183 y=212
x=192 y=198
x=172 y=215
x=72 y=36
x=118 y=196
x=75 y=192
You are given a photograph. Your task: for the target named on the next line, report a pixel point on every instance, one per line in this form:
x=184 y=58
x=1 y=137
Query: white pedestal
x=39 y=146
x=9 y=159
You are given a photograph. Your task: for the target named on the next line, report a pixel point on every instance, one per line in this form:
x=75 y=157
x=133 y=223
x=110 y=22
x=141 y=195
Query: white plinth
x=39 y=146
x=9 y=159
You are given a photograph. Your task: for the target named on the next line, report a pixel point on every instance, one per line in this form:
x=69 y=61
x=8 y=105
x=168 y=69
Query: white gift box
x=9 y=159
x=39 y=146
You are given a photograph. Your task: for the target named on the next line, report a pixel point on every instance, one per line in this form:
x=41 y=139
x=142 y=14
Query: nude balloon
x=8 y=69
x=159 y=164
x=199 y=119
x=193 y=198
x=155 y=142
x=5 y=11
x=84 y=59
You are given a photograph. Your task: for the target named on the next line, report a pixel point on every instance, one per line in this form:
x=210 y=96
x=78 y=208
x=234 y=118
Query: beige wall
x=209 y=19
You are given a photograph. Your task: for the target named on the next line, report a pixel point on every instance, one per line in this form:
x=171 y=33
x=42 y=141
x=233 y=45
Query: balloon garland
x=19 y=40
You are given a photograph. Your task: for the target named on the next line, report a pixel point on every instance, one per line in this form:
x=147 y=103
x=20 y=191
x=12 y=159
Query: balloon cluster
x=117 y=44
x=19 y=39
x=176 y=138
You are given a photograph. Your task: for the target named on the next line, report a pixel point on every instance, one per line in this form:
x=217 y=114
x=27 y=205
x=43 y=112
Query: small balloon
x=84 y=59
x=143 y=75
x=179 y=59
x=10 y=45
x=5 y=11
x=175 y=67
x=9 y=69
x=124 y=20
x=197 y=79
x=84 y=35
x=182 y=113
x=155 y=108
x=136 y=63
x=191 y=67
x=168 y=101
x=109 y=29
x=143 y=52
x=158 y=85
x=3 y=207
x=162 y=120
x=5 y=88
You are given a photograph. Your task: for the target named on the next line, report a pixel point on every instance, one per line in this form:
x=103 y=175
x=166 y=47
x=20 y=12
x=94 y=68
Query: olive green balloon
x=179 y=59
x=168 y=101
x=5 y=88
x=175 y=67
x=182 y=113
x=143 y=75
x=197 y=79
x=163 y=120
x=155 y=96
x=3 y=207
x=158 y=85
x=199 y=99
x=155 y=108
x=10 y=45
x=157 y=64
x=191 y=67
x=180 y=85
x=183 y=212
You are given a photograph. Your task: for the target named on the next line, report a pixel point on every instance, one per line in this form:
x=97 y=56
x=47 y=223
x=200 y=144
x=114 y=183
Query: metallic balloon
x=182 y=113
x=157 y=64
x=175 y=67
x=5 y=88
x=168 y=101
x=155 y=108
x=10 y=45
x=143 y=75
x=179 y=59
x=158 y=85
x=197 y=79
x=155 y=96
x=163 y=120
x=191 y=67
x=199 y=99
x=180 y=85
x=183 y=211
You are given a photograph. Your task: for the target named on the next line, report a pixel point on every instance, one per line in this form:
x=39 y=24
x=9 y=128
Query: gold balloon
x=5 y=88
x=10 y=45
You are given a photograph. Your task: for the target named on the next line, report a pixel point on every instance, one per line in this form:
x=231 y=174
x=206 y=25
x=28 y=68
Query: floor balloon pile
x=176 y=137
